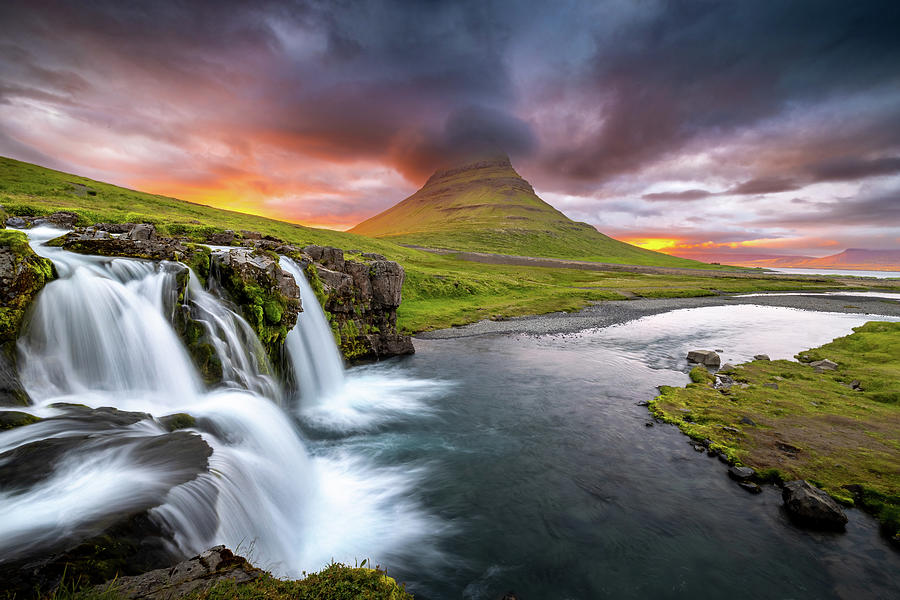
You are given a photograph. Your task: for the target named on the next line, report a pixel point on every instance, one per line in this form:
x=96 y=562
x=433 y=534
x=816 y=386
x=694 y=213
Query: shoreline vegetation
x=441 y=290
x=835 y=424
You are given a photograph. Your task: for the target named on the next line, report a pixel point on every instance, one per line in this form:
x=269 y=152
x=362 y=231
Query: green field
x=440 y=290
x=809 y=425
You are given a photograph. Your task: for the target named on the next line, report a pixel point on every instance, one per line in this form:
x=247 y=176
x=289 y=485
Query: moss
x=178 y=421
x=312 y=276
x=31 y=273
x=701 y=375
x=790 y=422
x=10 y=419
x=199 y=261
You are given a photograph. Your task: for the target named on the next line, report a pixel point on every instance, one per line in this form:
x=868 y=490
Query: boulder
x=18 y=223
x=761 y=357
x=191 y=576
x=810 y=506
x=824 y=365
x=704 y=357
x=142 y=231
x=741 y=473
x=62 y=219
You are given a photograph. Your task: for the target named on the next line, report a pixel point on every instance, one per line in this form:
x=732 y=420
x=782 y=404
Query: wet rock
x=761 y=357
x=268 y=296
x=812 y=507
x=723 y=382
x=251 y=235
x=177 y=421
x=193 y=575
x=22 y=275
x=10 y=419
x=824 y=365
x=698 y=448
x=855 y=385
x=704 y=357
x=751 y=487
x=142 y=231
x=648 y=424
x=741 y=473
x=727 y=367
x=747 y=421
x=61 y=219
x=339 y=284
x=18 y=223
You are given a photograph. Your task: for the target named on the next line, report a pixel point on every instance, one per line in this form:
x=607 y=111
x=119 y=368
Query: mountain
x=852 y=258
x=486 y=206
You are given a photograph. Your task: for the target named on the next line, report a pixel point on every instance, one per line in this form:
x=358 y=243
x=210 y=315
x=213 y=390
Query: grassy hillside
x=487 y=207
x=440 y=290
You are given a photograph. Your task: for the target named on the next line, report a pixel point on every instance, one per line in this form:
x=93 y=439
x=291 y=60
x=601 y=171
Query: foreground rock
x=195 y=574
x=707 y=358
x=22 y=275
x=810 y=506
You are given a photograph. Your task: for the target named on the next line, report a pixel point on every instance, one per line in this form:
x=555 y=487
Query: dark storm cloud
x=707 y=69
x=875 y=210
x=850 y=168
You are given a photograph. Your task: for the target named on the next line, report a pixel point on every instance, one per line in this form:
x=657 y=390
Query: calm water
x=536 y=465
x=878 y=274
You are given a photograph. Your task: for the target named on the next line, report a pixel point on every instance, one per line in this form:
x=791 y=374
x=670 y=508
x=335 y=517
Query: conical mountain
x=486 y=206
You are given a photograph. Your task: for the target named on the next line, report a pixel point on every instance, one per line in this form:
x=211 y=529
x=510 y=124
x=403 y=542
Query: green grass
x=440 y=290
x=335 y=582
x=813 y=426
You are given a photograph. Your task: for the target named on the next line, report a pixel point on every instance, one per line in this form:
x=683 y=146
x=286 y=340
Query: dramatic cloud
x=621 y=114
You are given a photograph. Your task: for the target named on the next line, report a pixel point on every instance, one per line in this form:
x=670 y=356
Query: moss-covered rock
x=22 y=275
x=177 y=421
x=10 y=419
x=268 y=297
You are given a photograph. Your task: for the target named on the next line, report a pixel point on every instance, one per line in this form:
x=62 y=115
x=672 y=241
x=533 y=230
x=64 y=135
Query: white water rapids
x=101 y=336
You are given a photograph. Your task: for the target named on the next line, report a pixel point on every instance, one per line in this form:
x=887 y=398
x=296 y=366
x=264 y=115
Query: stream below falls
x=477 y=466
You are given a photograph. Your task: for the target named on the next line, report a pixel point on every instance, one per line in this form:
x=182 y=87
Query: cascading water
x=101 y=336
x=314 y=356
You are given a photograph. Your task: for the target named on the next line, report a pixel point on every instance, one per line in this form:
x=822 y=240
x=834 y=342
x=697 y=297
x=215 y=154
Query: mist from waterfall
x=101 y=336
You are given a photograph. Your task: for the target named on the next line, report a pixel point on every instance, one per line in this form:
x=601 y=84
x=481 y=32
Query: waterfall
x=313 y=354
x=105 y=367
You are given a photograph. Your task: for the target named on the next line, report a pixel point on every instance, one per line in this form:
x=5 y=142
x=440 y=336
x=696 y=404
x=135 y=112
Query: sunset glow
x=330 y=115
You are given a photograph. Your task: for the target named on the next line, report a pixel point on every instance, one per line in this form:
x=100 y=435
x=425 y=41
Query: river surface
x=854 y=273
x=478 y=466
x=547 y=481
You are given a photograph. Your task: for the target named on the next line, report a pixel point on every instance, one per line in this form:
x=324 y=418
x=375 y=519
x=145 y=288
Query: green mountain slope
x=487 y=206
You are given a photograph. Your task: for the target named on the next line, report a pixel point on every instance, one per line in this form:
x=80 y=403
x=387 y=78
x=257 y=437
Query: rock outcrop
x=22 y=275
x=812 y=507
x=361 y=296
x=268 y=297
x=193 y=575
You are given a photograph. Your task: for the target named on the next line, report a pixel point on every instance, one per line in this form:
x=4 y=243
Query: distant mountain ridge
x=486 y=206
x=859 y=259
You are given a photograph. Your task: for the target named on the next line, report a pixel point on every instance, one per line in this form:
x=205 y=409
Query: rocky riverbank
x=613 y=312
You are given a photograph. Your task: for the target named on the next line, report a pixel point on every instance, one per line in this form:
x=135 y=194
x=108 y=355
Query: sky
x=766 y=127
